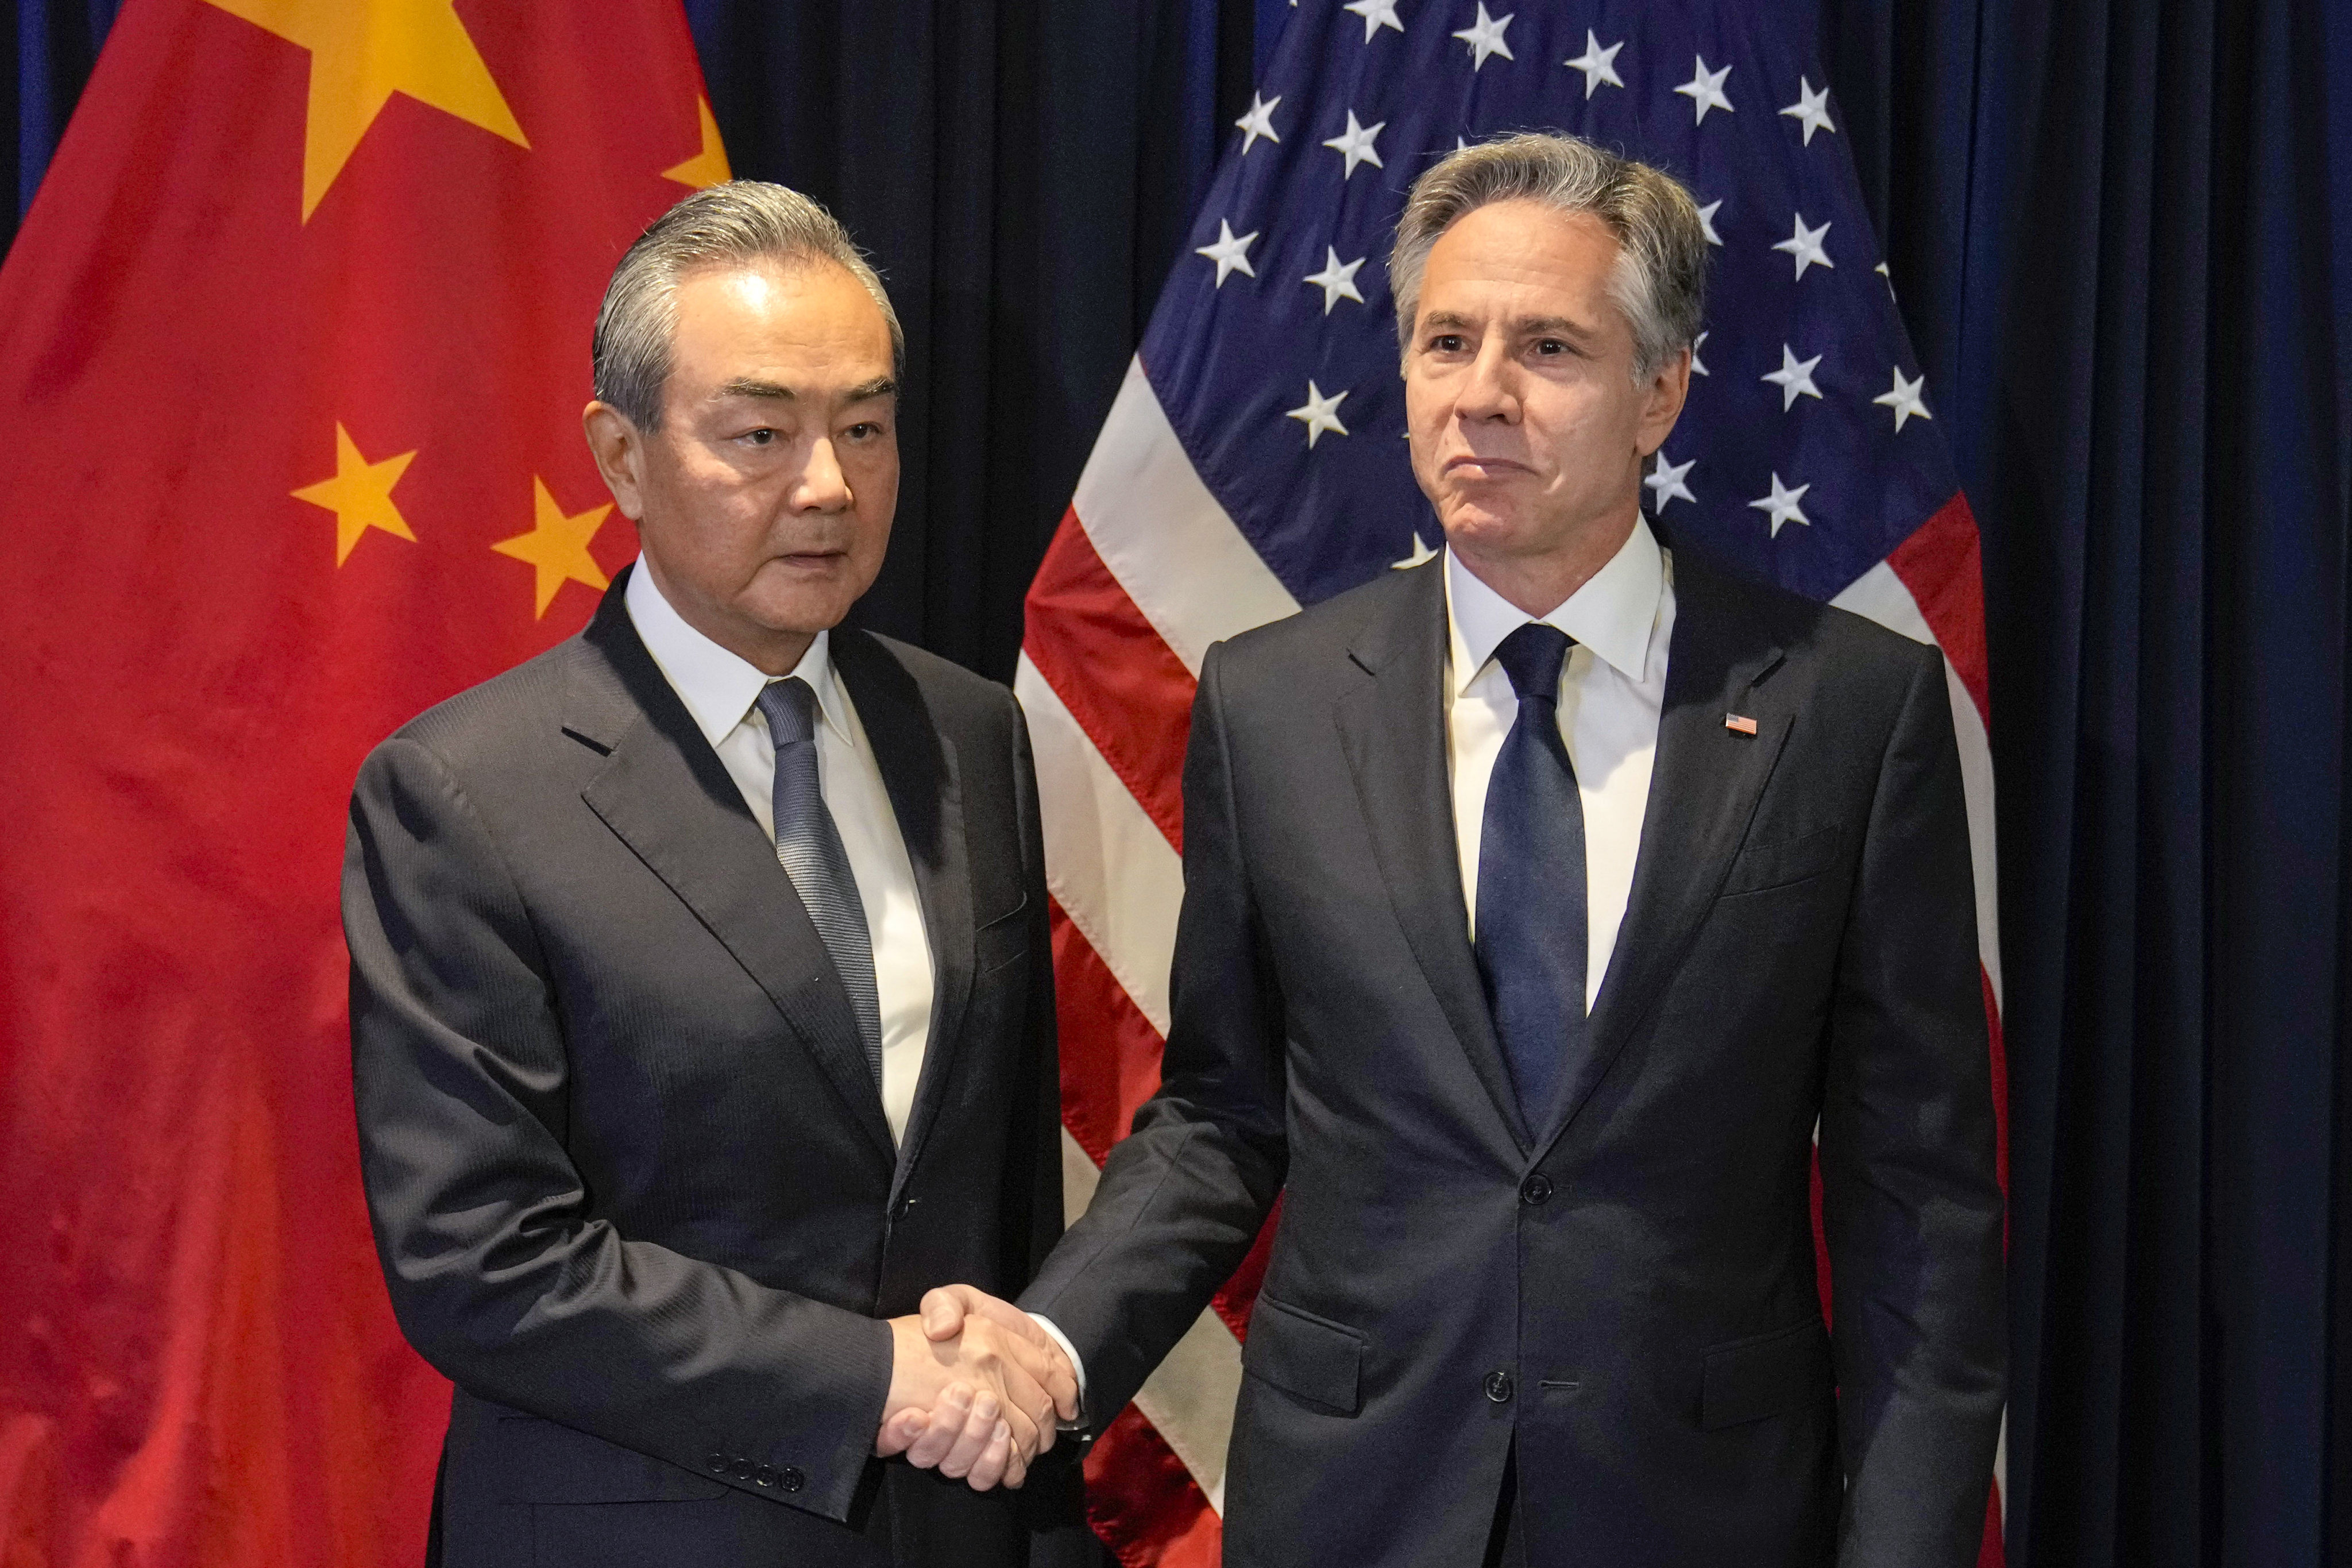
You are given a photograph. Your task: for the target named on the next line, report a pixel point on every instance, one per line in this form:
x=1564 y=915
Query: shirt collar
x=1612 y=614
x=717 y=686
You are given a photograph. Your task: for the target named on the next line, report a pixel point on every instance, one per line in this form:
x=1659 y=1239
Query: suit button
x=791 y=1479
x=1498 y=1387
x=1536 y=1189
x=719 y=1462
x=741 y=1469
x=765 y=1475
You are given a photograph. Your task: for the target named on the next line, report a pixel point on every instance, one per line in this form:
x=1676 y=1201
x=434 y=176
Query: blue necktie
x=809 y=845
x=1531 y=916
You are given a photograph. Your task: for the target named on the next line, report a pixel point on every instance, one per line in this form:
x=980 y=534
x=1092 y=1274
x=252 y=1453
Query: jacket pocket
x=1312 y=1358
x=1764 y=867
x=1750 y=1379
x=547 y=1462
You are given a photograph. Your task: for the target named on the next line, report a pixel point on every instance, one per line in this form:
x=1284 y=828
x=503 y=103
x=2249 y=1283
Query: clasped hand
x=976 y=1387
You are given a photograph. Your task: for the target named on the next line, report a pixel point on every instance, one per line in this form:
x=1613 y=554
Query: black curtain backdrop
x=2118 y=231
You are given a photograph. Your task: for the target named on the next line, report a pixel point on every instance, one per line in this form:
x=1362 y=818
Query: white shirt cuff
x=1077 y=1366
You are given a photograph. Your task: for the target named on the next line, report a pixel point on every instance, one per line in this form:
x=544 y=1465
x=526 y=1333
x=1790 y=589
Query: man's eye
x=864 y=430
x=1549 y=346
x=760 y=437
x=1446 y=343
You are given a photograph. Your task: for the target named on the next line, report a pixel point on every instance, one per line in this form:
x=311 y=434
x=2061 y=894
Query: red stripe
x=1130 y=694
x=1110 y=1052
x=1111 y=1064
x=1143 y=1503
x=1943 y=565
x=1990 y=1553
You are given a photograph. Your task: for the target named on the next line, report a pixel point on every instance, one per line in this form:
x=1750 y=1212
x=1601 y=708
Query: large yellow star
x=360 y=495
x=363 y=51
x=709 y=166
x=558 y=546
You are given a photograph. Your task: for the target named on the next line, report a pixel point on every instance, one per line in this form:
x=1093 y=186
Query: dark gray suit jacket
x=631 y=1181
x=1628 y=1292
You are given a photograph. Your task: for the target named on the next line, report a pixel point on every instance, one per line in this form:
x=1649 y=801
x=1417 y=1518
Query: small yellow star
x=558 y=546
x=363 y=51
x=360 y=495
x=709 y=166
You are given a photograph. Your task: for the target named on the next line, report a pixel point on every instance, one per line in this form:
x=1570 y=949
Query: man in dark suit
x=702 y=1015
x=1540 y=904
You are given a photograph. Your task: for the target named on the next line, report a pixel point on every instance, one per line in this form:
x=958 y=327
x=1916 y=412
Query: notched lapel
x=1392 y=730
x=918 y=771
x=1703 y=791
x=664 y=792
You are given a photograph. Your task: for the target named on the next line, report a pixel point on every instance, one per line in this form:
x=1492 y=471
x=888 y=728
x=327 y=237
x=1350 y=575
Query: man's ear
x=619 y=449
x=1662 y=401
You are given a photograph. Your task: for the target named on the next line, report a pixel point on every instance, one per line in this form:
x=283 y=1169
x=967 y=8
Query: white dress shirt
x=1610 y=696
x=719 y=690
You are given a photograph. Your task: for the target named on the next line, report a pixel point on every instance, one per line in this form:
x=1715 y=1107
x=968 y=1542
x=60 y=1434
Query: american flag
x=1254 y=461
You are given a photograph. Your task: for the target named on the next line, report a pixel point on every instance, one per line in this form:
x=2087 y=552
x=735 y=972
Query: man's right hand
x=975 y=1388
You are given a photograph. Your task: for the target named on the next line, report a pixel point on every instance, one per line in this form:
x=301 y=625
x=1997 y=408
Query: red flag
x=294 y=344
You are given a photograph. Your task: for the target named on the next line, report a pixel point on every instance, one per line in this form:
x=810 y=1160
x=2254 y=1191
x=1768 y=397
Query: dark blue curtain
x=2119 y=234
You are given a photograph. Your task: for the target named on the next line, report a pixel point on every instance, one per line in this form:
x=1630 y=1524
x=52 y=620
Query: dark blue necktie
x=1531 y=916
x=809 y=845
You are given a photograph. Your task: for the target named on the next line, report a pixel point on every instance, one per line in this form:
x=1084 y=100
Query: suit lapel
x=664 y=792
x=918 y=770
x=1703 y=789
x=1392 y=730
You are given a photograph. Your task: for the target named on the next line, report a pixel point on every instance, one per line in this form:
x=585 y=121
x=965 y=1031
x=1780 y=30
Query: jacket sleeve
x=1184 y=1194
x=500 y=1275
x=1912 y=1204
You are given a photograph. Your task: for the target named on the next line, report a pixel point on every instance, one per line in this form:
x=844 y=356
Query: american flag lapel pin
x=1739 y=723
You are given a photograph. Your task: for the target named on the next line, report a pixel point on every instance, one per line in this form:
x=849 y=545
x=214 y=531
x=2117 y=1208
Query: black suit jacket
x=631 y=1181
x=1628 y=1292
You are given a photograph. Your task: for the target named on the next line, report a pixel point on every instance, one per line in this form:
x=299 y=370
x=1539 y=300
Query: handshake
x=977 y=1389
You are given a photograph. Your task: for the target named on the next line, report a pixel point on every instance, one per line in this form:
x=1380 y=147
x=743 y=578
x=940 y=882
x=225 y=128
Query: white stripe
x=1191 y=572
x=1189 y=1400
x=1108 y=864
x=1879 y=594
x=2001 y=1469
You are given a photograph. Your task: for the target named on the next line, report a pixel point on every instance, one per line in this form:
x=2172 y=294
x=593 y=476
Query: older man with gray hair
x=703 y=1015
x=1540 y=903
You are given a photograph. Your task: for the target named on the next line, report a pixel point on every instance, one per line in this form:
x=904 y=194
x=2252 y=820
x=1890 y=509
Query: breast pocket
x=1784 y=862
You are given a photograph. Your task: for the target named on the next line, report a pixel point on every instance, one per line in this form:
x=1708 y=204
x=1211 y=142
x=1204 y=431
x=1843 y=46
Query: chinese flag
x=293 y=346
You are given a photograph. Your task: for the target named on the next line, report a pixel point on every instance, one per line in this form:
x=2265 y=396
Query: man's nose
x=823 y=486
x=1490 y=391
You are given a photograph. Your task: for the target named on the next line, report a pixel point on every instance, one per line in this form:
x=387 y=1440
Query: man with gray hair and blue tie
x=702 y=1015
x=1540 y=904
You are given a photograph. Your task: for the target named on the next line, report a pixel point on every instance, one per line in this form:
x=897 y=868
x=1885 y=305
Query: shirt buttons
x=717 y=1462
x=1536 y=1189
x=765 y=1475
x=741 y=1469
x=1498 y=1387
x=790 y=1479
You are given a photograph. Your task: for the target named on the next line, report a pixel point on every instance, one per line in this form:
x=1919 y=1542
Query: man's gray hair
x=735 y=222
x=1660 y=281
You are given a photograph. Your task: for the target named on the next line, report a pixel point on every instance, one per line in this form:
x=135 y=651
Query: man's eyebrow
x=748 y=386
x=751 y=386
x=1556 y=326
x=1522 y=326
